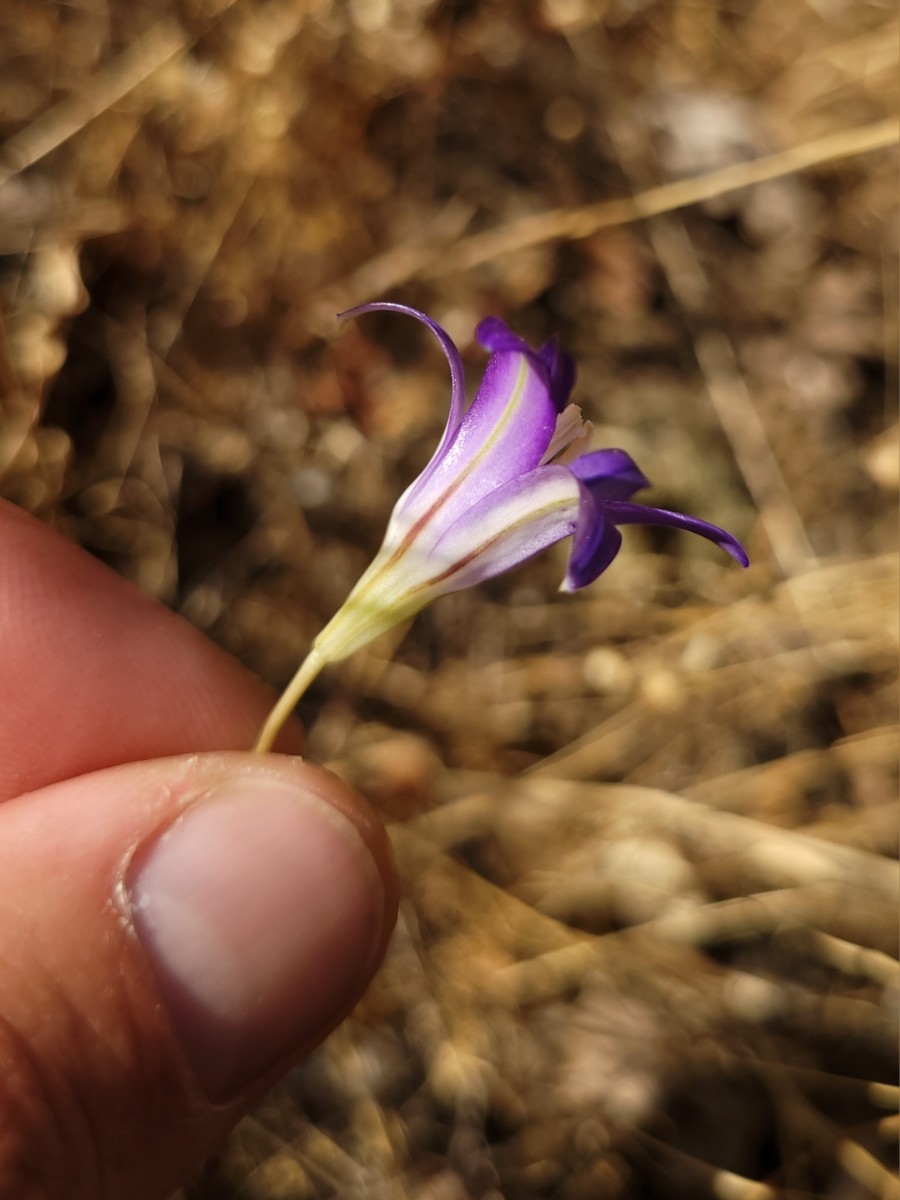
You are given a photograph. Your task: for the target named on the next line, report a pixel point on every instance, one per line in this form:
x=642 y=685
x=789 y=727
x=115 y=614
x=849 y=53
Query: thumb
x=173 y=934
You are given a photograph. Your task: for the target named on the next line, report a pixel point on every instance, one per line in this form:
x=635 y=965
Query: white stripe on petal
x=505 y=528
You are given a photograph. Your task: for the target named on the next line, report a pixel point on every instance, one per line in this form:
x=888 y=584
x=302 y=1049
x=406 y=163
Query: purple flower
x=511 y=475
x=507 y=479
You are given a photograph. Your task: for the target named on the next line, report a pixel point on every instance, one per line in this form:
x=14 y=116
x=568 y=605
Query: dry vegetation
x=648 y=832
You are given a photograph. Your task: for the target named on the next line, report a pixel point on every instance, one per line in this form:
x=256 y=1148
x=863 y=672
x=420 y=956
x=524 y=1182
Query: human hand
x=179 y=922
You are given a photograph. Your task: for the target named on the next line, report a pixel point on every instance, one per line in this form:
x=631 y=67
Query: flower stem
x=287 y=701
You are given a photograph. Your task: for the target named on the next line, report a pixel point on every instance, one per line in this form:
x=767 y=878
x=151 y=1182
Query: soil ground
x=647 y=832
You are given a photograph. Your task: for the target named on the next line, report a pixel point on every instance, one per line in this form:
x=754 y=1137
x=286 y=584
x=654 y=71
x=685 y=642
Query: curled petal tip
x=457 y=374
x=625 y=513
x=733 y=547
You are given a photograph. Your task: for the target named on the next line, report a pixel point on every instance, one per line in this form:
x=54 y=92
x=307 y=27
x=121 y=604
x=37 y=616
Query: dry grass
x=648 y=833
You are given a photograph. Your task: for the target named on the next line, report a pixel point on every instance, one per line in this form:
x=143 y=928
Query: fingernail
x=262 y=911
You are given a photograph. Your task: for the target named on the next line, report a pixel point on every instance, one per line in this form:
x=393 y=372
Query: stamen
x=570 y=436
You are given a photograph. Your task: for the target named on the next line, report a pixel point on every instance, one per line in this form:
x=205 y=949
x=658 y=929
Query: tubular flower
x=511 y=475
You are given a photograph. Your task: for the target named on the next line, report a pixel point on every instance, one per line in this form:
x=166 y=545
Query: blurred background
x=647 y=832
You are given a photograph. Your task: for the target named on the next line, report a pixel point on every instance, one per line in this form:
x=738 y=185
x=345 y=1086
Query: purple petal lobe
x=495 y=335
x=502 y=436
x=595 y=545
x=641 y=514
x=457 y=377
x=560 y=371
x=506 y=527
x=610 y=474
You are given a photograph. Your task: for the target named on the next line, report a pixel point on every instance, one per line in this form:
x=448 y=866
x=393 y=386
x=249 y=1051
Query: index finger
x=93 y=673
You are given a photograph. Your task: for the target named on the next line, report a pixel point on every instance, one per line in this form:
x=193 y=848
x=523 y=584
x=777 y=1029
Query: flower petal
x=561 y=371
x=457 y=376
x=595 y=545
x=506 y=527
x=503 y=436
x=609 y=474
x=640 y=514
x=495 y=335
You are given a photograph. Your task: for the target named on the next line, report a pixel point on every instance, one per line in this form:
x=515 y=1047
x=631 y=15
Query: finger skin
x=97 y=1098
x=93 y=673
